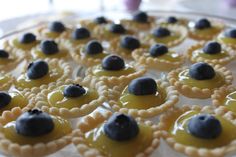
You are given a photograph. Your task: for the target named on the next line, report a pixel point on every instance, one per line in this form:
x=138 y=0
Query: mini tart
x=28 y=150
x=200 y=91
x=116 y=48
x=97 y=94
x=96 y=120
x=225 y=96
x=58 y=71
x=178 y=35
x=181 y=21
x=231 y=42
x=166 y=62
x=167 y=98
x=112 y=78
x=170 y=117
x=90 y=24
x=6 y=80
x=79 y=56
x=72 y=44
x=196 y=54
x=206 y=34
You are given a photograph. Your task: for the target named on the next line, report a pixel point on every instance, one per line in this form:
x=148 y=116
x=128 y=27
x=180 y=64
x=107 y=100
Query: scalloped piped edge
x=8 y=84
x=221 y=61
x=154 y=62
x=195 y=92
x=111 y=81
x=91 y=121
x=41 y=98
x=36 y=150
x=190 y=150
x=171 y=99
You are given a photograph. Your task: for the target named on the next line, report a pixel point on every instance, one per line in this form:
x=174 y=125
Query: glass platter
x=163 y=150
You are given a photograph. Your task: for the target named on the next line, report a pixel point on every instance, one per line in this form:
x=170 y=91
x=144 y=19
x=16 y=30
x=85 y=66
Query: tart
x=170 y=35
x=199 y=132
x=200 y=79
x=49 y=49
x=42 y=73
x=114 y=71
x=125 y=45
x=113 y=134
x=203 y=29
x=140 y=21
x=27 y=133
x=172 y=20
x=158 y=56
x=91 y=24
x=143 y=97
x=71 y=99
x=90 y=54
x=228 y=37
x=210 y=52
x=6 y=81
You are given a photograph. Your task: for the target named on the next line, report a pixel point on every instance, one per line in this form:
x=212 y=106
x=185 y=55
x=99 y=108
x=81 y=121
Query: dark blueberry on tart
x=57 y=26
x=80 y=33
x=49 y=47
x=201 y=71
x=100 y=20
x=121 y=127
x=4 y=54
x=204 y=126
x=143 y=86
x=113 y=62
x=172 y=19
x=5 y=99
x=73 y=91
x=161 y=32
x=117 y=28
x=37 y=69
x=202 y=24
x=158 y=50
x=140 y=17
x=93 y=47
x=130 y=42
x=34 y=123
x=212 y=48
x=231 y=33
x=27 y=38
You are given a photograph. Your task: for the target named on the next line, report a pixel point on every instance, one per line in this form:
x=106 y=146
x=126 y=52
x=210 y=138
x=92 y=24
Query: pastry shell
x=8 y=84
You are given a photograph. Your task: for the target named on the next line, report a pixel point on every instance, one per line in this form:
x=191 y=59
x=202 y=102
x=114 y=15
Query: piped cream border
x=8 y=84
x=92 y=121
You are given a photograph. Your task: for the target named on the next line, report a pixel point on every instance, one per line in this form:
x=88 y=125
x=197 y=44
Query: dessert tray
x=152 y=83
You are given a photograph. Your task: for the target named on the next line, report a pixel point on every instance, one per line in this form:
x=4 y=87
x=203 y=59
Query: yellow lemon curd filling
x=169 y=56
x=178 y=128
x=22 y=46
x=94 y=56
x=76 y=42
x=99 y=71
x=57 y=99
x=129 y=100
x=24 y=82
x=4 y=78
x=200 y=53
x=227 y=40
x=216 y=82
x=207 y=31
x=40 y=54
x=230 y=101
x=165 y=40
x=98 y=139
x=62 y=128
x=17 y=100
x=52 y=35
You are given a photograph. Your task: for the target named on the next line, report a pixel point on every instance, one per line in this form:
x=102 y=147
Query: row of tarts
x=37 y=105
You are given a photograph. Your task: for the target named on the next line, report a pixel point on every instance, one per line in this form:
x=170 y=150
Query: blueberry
x=34 y=123
x=204 y=126
x=121 y=127
x=201 y=71
x=158 y=50
x=141 y=17
x=49 y=47
x=117 y=28
x=37 y=69
x=100 y=20
x=73 y=91
x=130 y=42
x=56 y=26
x=161 y=32
x=202 y=24
x=231 y=33
x=5 y=99
x=212 y=48
x=113 y=62
x=4 y=54
x=142 y=86
x=27 y=38
x=81 y=33
x=172 y=19
x=93 y=47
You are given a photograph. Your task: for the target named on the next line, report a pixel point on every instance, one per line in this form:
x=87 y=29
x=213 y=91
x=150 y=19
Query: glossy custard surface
x=200 y=53
x=28 y=46
x=40 y=54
